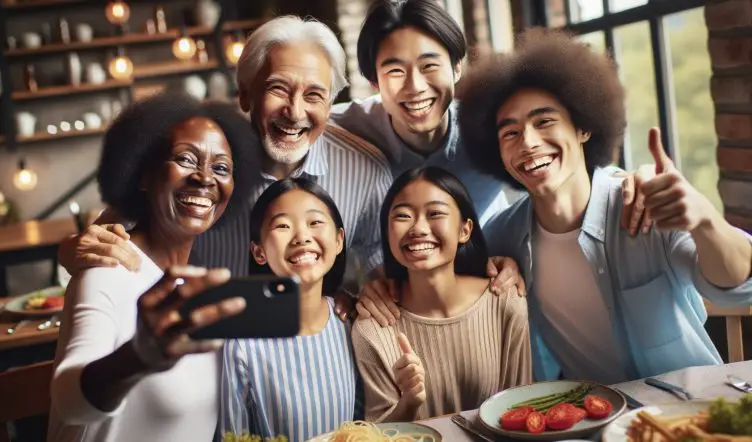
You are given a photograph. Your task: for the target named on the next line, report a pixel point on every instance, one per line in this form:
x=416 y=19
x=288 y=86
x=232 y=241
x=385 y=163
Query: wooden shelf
x=27 y=4
x=44 y=136
x=103 y=42
x=55 y=91
x=172 y=67
x=238 y=25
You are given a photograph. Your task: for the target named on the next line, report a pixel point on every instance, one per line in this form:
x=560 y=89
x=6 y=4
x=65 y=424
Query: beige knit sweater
x=467 y=358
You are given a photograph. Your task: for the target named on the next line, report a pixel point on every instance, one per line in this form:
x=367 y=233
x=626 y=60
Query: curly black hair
x=585 y=82
x=140 y=136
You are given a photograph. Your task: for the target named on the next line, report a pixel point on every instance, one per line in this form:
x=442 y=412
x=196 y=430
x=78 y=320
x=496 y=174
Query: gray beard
x=283 y=155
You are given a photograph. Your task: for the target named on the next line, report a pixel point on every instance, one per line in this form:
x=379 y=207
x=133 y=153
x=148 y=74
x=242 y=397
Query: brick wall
x=730 y=45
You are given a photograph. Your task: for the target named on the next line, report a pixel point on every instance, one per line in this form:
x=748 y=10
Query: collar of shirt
x=314 y=164
x=596 y=213
x=449 y=147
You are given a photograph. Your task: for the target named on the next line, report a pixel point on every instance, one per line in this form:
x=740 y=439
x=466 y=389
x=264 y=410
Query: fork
x=462 y=422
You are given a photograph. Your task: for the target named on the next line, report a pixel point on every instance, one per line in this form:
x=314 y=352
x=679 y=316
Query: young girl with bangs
x=303 y=386
x=455 y=344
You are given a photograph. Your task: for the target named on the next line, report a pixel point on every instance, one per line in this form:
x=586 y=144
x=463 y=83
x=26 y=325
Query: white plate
x=17 y=305
x=492 y=409
x=401 y=427
x=617 y=430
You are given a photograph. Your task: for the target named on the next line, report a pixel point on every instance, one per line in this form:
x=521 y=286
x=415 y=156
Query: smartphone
x=272 y=308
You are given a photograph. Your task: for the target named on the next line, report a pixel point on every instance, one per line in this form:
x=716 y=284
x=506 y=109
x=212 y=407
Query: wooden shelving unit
x=104 y=42
x=27 y=4
x=172 y=68
x=147 y=72
x=44 y=136
x=55 y=91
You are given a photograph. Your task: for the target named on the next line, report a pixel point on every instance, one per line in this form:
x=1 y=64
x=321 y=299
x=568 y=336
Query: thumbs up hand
x=409 y=375
x=671 y=201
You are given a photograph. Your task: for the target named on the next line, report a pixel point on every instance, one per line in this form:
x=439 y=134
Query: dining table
x=27 y=334
x=705 y=382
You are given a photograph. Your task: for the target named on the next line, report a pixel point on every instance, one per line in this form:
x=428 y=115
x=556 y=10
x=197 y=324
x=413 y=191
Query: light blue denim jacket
x=651 y=283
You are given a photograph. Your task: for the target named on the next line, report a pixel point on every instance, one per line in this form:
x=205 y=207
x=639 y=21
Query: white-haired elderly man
x=289 y=74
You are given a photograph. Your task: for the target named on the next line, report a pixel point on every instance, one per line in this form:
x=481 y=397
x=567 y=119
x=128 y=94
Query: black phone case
x=268 y=313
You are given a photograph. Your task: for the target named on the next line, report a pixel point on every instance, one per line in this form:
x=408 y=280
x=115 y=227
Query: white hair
x=287 y=30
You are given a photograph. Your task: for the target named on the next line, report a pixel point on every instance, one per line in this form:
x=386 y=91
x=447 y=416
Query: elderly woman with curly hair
x=604 y=306
x=126 y=369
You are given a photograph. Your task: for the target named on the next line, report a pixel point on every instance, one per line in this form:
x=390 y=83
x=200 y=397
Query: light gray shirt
x=368 y=119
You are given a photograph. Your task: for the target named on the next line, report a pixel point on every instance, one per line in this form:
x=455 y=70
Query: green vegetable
x=542 y=404
x=734 y=418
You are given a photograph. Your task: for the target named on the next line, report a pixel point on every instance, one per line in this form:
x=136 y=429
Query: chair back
x=24 y=392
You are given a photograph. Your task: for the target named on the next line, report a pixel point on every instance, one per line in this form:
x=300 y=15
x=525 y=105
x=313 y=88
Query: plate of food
x=38 y=303
x=553 y=410
x=718 y=420
x=385 y=432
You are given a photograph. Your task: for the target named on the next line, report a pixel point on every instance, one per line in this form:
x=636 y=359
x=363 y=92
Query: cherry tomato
x=561 y=417
x=514 y=420
x=597 y=407
x=535 y=422
x=579 y=414
x=53 y=302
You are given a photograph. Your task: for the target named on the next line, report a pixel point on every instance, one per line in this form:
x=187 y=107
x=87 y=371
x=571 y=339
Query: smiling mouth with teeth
x=289 y=131
x=535 y=164
x=418 y=107
x=421 y=247
x=199 y=201
x=305 y=258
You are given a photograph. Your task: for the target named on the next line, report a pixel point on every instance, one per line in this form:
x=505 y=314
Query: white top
x=180 y=404
x=572 y=303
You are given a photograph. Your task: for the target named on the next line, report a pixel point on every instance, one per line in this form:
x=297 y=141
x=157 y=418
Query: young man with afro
x=604 y=305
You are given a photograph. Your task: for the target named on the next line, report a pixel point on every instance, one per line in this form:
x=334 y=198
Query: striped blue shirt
x=298 y=387
x=352 y=171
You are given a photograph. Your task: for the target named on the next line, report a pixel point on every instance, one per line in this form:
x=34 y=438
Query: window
x=661 y=49
x=502 y=28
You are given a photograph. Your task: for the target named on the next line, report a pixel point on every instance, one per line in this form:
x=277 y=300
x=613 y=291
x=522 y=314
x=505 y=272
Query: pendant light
x=121 y=67
x=184 y=48
x=117 y=12
x=24 y=178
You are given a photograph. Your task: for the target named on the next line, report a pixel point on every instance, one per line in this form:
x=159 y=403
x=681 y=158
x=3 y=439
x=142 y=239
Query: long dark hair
x=471 y=257
x=333 y=279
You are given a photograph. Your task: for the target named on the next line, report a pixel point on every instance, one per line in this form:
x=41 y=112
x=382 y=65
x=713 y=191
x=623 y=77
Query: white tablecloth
x=703 y=382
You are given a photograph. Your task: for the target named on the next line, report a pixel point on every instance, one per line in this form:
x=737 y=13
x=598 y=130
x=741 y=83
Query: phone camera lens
x=280 y=288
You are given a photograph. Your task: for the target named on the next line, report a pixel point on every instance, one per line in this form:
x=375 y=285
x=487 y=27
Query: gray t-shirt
x=368 y=119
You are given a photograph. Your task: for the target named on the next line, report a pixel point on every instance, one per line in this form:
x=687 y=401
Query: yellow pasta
x=360 y=431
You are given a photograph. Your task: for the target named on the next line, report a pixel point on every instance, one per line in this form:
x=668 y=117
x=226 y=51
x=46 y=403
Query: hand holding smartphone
x=272 y=308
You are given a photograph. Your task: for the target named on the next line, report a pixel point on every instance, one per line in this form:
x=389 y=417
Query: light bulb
x=117 y=12
x=184 y=48
x=24 y=179
x=233 y=51
x=121 y=67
